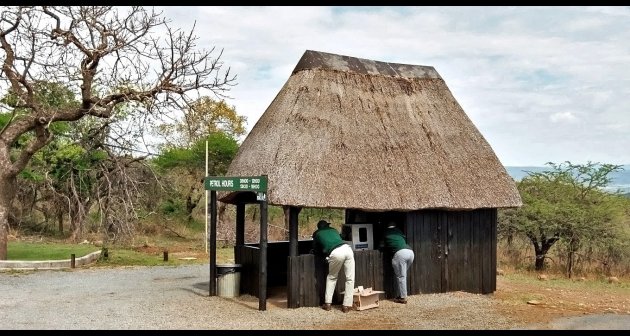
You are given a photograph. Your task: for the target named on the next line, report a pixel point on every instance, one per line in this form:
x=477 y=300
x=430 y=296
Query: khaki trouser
x=341 y=256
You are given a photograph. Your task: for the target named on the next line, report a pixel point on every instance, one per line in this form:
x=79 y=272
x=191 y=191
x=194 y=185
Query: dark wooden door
x=454 y=250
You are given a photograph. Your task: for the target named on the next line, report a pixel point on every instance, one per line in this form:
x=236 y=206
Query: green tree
x=186 y=165
x=109 y=58
x=204 y=116
x=564 y=203
x=34 y=193
x=182 y=156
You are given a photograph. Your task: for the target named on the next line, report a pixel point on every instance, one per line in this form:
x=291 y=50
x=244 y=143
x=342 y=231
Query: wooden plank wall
x=306 y=281
x=489 y=252
x=454 y=250
x=248 y=255
x=425 y=234
x=388 y=277
x=471 y=260
x=249 y=258
x=368 y=272
x=307 y=278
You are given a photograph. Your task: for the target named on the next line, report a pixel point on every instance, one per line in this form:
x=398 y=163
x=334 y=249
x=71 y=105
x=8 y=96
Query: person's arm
x=317 y=246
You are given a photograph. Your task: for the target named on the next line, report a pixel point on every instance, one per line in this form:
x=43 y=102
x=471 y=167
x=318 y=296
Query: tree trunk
x=78 y=213
x=573 y=247
x=541 y=250
x=8 y=185
x=254 y=214
x=76 y=223
x=540 y=262
x=60 y=220
x=190 y=206
x=191 y=202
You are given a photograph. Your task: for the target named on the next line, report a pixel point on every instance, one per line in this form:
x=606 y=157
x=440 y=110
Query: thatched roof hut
x=353 y=133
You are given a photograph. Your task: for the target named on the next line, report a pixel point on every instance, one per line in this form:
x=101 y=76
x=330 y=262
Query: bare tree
x=129 y=62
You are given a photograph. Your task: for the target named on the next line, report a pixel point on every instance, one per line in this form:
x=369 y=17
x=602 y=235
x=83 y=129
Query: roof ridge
x=312 y=59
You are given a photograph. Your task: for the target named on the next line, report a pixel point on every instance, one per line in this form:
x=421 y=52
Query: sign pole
x=213 y=244
x=206 y=192
x=262 y=270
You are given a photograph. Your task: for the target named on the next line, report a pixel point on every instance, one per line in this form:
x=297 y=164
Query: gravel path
x=177 y=298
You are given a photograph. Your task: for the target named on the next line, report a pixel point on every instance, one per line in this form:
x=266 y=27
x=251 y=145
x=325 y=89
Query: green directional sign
x=237 y=183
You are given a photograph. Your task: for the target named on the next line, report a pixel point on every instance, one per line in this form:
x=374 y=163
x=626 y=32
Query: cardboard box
x=365 y=298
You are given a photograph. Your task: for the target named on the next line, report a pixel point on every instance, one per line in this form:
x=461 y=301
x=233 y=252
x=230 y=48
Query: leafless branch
x=122 y=65
x=107 y=58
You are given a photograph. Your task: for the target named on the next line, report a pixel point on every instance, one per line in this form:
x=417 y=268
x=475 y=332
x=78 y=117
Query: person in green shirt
x=328 y=243
x=402 y=258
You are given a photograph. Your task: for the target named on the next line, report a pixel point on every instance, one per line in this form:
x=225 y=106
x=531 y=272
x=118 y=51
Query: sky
x=542 y=84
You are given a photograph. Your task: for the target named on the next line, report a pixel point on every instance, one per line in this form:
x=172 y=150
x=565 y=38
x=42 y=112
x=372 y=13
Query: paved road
x=587 y=322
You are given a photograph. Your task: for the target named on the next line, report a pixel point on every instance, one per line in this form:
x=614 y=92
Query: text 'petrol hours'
x=221 y=183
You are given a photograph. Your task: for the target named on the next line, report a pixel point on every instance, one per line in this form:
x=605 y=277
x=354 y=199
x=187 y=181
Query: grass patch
x=125 y=257
x=26 y=251
x=225 y=255
x=523 y=298
x=561 y=282
x=128 y=257
x=118 y=255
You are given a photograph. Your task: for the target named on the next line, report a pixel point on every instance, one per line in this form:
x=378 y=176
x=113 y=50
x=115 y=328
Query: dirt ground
x=521 y=297
x=560 y=300
x=554 y=298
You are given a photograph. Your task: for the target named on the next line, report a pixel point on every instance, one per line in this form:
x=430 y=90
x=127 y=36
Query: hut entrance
x=292 y=273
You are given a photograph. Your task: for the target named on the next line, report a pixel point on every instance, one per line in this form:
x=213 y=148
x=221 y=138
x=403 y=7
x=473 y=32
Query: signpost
x=238 y=183
x=258 y=185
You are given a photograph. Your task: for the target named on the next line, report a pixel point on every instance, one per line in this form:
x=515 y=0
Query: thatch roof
x=345 y=132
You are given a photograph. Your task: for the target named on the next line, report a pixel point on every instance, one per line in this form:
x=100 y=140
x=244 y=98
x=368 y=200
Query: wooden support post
x=72 y=261
x=262 y=271
x=212 y=246
x=165 y=255
x=293 y=230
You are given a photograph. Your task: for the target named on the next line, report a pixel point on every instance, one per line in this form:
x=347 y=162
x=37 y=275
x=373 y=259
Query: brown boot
x=326 y=306
x=345 y=309
x=400 y=300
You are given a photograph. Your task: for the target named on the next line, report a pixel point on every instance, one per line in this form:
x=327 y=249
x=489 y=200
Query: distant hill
x=620 y=180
